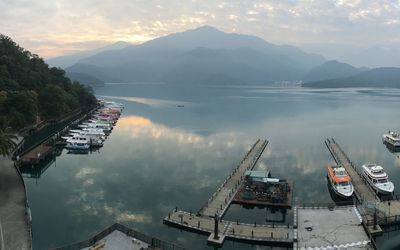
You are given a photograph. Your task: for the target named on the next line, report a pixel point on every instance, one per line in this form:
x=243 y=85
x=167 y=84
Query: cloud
x=55 y=27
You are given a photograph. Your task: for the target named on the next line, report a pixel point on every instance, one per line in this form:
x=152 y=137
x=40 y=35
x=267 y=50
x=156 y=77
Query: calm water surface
x=160 y=156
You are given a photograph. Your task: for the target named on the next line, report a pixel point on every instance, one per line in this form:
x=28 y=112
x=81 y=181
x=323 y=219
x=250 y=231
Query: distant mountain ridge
x=387 y=77
x=198 y=55
x=330 y=70
x=69 y=60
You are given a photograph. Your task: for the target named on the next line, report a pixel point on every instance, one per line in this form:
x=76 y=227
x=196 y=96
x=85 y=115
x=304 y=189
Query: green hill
x=30 y=91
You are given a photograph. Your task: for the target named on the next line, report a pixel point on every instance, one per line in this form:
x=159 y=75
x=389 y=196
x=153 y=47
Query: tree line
x=30 y=91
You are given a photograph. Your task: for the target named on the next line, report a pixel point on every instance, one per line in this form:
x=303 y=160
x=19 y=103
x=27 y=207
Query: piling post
x=216 y=237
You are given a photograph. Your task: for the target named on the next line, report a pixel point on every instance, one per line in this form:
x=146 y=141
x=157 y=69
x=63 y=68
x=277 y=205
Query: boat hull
x=337 y=192
x=375 y=188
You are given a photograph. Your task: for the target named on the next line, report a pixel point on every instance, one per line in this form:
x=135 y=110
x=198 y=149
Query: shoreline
x=15 y=223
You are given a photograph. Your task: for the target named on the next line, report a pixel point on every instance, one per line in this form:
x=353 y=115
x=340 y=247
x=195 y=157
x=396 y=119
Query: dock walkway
x=363 y=191
x=231 y=229
x=209 y=218
x=374 y=211
x=222 y=198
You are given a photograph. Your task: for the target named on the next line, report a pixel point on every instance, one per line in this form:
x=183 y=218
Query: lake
x=161 y=156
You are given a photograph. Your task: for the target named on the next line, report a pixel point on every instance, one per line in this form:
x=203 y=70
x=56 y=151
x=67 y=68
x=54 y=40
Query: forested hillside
x=30 y=91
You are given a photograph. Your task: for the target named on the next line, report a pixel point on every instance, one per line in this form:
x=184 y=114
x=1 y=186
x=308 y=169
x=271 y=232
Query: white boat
x=86 y=139
x=77 y=143
x=340 y=181
x=377 y=178
x=90 y=134
x=111 y=104
x=105 y=127
x=392 y=139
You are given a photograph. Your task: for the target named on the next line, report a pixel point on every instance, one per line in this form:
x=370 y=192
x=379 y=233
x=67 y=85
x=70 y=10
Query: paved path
x=338 y=228
x=15 y=228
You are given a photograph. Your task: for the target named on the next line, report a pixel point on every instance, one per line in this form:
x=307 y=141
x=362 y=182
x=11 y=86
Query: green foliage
x=7 y=138
x=28 y=87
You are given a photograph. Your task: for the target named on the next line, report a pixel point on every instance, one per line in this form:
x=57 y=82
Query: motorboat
x=75 y=143
x=377 y=178
x=105 y=127
x=392 y=139
x=340 y=181
x=86 y=139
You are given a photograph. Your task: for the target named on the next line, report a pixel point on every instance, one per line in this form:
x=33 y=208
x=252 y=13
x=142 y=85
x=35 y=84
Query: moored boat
x=77 y=144
x=340 y=181
x=391 y=139
x=377 y=178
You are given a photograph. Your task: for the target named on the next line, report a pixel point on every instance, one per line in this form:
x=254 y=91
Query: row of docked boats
x=94 y=131
x=373 y=174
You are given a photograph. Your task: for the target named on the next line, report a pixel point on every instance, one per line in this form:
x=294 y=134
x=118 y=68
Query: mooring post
x=216 y=227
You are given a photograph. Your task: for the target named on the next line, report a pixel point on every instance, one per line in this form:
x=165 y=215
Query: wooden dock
x=375 y=212
x=222 y=198
x=37 y=154
x=233 y=230
x=208 y=220
x=363 y=191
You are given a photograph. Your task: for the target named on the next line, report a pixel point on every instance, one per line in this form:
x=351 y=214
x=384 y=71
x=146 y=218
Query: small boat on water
x=391 y=139
x=340 y=181
x=77 y=144
x=377 y=178
x=85 y=139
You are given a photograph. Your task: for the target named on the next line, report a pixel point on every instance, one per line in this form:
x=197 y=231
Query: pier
x=208 y=220
x=374 y=210
x=32 y=153
x=222 y=198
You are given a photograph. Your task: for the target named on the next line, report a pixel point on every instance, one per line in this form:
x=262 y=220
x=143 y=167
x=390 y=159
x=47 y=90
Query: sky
x=57 y=27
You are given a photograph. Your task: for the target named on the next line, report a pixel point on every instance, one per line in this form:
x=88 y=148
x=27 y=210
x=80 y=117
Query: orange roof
x=337 y=179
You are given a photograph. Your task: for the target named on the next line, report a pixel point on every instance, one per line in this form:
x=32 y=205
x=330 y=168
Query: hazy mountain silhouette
x=85 y=79
x=379 y=77
x=69 y=60
x=330 y=70
x=203 y=55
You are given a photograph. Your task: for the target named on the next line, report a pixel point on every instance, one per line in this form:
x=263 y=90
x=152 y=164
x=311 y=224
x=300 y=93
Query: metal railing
x=151 y=241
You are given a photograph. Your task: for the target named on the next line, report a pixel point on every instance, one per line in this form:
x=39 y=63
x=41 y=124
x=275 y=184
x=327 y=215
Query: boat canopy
x=376 y=169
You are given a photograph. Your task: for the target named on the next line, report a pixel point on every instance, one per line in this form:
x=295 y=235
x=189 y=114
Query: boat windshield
x=380 y=181
x=344 y=183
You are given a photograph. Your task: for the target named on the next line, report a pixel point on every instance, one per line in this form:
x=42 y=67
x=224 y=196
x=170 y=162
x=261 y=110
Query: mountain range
x=204 y=56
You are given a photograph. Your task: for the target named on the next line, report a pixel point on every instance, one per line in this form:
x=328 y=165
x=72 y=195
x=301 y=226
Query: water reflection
x=160 y=156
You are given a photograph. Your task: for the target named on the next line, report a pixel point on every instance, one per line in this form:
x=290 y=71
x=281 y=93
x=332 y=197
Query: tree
x=7 y=139
x=52 y=101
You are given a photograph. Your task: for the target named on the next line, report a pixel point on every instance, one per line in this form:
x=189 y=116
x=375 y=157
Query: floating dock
x=37 y=154
x=374 y=211
x=233 y=230
x=285 y=202
x=208 y=220
x=221 y=200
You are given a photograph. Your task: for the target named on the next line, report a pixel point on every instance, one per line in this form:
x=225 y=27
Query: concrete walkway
x=15 y=228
